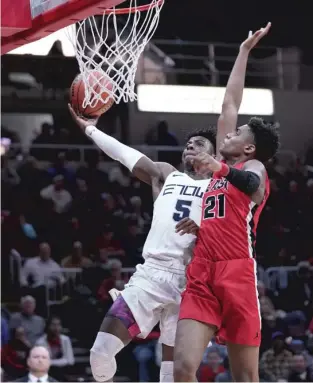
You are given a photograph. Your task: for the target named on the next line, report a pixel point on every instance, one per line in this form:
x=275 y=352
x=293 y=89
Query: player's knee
x=102 y=356
x=184 y=371
x=103 y=367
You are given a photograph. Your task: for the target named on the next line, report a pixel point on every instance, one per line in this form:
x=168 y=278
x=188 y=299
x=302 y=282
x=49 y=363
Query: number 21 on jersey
x=214 y=206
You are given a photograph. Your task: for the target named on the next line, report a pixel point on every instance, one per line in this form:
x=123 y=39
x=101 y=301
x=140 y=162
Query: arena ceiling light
x=200 y=99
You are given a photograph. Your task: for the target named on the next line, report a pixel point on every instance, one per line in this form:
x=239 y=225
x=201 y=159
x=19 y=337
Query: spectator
x=297 y=346
x=107 y=242
x=161 y=135
x=103 y=260
x=59 y=347
x=40 y=273
x=38 y=363
x=222 y=350
x=61 y=167
x=275 y=362
x=14 y=354
x=76 y=259
x=42 y=270
x=144 y=353
x=266 y=305
x=32 y=177
x=226 y=375
x=56 y=193
x=133 y=244
x=138 y=214
x=213 y=366
x=47 y=135
x=296 y=325
x=8 y=173
x=119 y=174
x=115 y=281
x=32 y=324
x=301 y=289
x=5 y=336
x=93 y=276
x=300 y=372
x=271 y=324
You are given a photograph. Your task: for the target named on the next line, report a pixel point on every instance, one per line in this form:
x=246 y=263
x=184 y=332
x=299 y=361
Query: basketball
x=98 y=83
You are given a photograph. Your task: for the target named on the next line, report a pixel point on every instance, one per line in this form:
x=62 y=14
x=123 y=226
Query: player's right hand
x=187 y=226
x=81 y=121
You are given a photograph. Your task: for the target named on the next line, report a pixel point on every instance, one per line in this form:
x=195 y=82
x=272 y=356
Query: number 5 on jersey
x=214 y=206
x=182 y=210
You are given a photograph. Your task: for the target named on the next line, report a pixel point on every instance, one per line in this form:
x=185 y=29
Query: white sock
x=167 y=372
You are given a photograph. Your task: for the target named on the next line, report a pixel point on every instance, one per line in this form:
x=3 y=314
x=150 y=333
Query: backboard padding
x=18 y=31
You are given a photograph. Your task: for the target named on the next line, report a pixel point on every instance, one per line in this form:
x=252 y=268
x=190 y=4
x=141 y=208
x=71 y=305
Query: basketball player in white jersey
x=153 y=293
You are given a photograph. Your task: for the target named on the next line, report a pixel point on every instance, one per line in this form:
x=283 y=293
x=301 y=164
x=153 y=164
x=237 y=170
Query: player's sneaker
x=114 y=294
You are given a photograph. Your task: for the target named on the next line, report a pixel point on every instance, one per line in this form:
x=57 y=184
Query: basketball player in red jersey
x=221 y=296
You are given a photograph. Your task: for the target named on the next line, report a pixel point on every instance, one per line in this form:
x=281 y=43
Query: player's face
x=238 y=143
x=194 y=146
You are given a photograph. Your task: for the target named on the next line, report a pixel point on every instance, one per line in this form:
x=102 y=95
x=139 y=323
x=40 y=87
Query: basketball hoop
x=111 y=45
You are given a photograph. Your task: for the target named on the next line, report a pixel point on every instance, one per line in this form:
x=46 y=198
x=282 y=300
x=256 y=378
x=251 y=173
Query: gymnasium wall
x=294 y=111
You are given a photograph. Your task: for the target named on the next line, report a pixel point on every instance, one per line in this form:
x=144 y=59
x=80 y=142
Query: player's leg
x=241 y=317
x=135 y=311
x=244 y=362
x=200 y=317
x=192 y=338
x=113 y=336
x=168 y=327
x=167 y=364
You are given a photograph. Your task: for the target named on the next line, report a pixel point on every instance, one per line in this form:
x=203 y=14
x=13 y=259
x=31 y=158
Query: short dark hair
x=208 y=133
x=266 y=137
x=29 y=351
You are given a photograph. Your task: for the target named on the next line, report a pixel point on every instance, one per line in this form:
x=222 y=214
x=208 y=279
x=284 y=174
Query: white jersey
x=180 y=197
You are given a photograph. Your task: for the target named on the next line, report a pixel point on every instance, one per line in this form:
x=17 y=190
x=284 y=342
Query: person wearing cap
x=275 y=362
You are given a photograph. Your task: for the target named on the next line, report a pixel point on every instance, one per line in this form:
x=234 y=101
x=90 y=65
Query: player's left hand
x=187 y=226
x=204 y=163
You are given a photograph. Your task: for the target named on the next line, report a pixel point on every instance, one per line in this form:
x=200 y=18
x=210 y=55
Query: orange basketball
x=97 y=81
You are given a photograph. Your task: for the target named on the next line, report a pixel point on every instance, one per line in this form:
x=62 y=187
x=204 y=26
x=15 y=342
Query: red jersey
x=229 y=222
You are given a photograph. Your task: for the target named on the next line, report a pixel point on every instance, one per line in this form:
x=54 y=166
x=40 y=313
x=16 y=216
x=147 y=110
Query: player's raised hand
x=254 y=38
x=187 y=226
x=204 y=163
x=81 y=121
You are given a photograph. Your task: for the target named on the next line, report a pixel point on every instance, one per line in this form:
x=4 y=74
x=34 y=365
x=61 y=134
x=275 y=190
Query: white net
x=108 y=48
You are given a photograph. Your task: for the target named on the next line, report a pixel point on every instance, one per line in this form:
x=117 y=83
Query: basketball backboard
x=25 y=21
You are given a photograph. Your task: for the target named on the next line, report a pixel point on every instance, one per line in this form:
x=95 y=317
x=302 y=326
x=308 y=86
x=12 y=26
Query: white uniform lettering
x=180 y=197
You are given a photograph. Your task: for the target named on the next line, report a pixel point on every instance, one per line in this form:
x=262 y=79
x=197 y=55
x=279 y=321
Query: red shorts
x=224 y=294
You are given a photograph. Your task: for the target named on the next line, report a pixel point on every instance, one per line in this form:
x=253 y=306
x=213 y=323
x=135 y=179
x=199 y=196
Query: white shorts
x=153 y=295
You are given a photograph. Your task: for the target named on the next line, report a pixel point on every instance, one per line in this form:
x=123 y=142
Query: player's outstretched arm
x=139 y=164
x=235 y=85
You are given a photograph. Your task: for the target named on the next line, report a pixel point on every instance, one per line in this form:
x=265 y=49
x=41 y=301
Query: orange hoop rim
x=140 y=8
